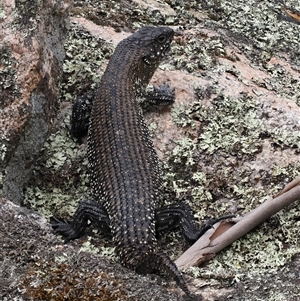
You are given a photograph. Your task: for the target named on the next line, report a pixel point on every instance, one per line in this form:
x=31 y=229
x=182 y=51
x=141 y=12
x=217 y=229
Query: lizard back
x=123 y=164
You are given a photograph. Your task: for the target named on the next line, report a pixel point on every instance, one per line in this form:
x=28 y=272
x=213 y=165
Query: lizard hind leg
x=88 y=210
x=180 y=213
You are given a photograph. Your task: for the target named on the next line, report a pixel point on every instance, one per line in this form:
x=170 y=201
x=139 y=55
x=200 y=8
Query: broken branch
x=225 y=233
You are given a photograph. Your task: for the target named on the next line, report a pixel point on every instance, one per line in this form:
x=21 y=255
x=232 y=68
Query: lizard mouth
x=155 y=43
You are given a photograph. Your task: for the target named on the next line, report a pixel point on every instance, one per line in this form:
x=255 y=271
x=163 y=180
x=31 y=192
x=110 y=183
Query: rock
x=153 y=5
x=36 y=265
x=32 y=53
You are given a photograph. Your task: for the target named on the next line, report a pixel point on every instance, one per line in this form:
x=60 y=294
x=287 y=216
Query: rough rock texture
x=231 y=138
x=35 y=265
x=31 y=57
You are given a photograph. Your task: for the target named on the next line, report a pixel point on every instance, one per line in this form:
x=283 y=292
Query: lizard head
x=149 y=45
x=153 y=42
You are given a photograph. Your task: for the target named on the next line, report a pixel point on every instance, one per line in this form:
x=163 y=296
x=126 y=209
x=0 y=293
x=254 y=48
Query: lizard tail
x=144 y=262
x=165 y=265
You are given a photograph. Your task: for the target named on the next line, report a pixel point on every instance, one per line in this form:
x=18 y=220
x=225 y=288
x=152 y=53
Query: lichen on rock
x=230 y=140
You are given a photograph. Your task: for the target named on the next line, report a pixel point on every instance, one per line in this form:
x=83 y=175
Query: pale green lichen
x=58 y=200
x=120 y=14
x=198 y=53
x=27 y=16
x=234 y=131
x=2 y=12
x=87 y=246
x=258 y=252
x=90 y=246
x=3 y=148
x=287 y=138
x=180 y=115
x=9 y=90
x=63 y=258
x=259 y=22
x=84 y=56
x=52 y=186
x=8 y=78
x=235 y=128
x=230 y=133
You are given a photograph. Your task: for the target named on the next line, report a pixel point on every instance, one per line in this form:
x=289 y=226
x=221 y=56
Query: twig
x=225 y=233
x=288 y=187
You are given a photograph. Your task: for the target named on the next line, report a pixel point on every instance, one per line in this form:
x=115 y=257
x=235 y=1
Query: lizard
x=124 y=169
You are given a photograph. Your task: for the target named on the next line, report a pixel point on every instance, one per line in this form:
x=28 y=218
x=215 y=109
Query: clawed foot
x=165 y=95
x=210 y=223
x=162 y=95
x=63 y=228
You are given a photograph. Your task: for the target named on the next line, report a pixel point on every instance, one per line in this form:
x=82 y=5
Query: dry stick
x=288 y=187
x=207 y=246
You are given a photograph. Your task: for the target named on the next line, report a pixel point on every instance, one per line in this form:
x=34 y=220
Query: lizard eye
x=161 y=39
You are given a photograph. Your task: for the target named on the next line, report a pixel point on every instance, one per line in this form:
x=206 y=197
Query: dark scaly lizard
x=124 y=169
